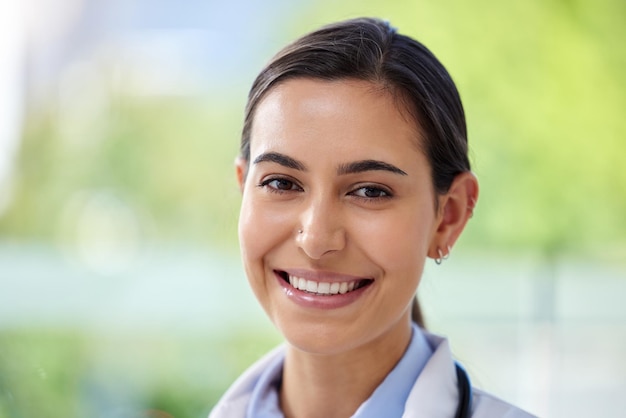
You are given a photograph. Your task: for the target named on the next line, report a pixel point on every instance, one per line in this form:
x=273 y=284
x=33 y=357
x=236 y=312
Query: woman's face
x=337 y=215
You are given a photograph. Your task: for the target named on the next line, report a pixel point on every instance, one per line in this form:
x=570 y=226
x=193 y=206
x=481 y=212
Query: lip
x=312 y=300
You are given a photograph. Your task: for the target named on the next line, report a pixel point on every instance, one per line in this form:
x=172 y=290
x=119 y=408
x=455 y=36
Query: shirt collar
x=388 y=399
x=390 y=396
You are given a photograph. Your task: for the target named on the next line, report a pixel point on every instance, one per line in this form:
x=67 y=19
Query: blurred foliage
x=544 y=86
x=169 y=160
x=66 y=374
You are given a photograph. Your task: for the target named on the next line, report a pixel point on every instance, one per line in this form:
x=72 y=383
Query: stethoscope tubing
x=464 y=409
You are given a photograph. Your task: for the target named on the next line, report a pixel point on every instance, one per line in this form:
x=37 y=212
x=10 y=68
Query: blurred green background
x=121 y=293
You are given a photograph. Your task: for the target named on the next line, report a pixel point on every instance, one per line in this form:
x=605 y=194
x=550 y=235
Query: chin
x=319 y=340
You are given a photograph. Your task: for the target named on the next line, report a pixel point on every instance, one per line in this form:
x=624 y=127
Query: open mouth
x=324 y=288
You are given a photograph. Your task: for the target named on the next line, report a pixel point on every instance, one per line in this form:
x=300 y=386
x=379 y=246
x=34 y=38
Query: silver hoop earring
x=442 y=256
x=439 y=259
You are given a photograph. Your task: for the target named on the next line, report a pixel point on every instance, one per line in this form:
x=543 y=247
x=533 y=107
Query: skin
x=373 y=222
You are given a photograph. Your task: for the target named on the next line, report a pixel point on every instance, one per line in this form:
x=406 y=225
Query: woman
x=353 y=170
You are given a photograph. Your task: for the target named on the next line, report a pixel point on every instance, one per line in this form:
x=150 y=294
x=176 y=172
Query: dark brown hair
x=371 y=50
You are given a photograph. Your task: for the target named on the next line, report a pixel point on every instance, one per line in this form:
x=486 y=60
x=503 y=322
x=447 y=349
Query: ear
x=456 y=207
x=241 y=169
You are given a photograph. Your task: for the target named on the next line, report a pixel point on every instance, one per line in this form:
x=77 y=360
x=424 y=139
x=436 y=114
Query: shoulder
x=235 y=400
x=436 y=391
x=486 y=405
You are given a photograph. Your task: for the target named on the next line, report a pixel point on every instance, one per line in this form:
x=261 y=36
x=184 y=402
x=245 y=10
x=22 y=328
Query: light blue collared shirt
x=388 y=399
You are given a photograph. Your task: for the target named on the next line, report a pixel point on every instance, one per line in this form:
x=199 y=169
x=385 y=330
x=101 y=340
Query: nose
x=322 y=231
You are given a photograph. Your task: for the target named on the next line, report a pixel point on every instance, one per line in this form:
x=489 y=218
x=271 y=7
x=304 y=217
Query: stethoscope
x=465 y=393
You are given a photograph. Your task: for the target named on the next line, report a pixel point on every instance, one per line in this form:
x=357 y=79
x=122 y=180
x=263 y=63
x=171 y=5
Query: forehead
x=354 y=115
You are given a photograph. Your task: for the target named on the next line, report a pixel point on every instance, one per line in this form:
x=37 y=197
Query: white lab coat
x=434 y=394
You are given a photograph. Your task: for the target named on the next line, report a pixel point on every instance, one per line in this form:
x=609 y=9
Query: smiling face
x=338 y=214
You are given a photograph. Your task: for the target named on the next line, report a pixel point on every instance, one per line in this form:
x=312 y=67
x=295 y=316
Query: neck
x=335 y=385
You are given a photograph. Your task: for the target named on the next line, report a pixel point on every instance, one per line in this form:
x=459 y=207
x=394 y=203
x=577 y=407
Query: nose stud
x=300 y=231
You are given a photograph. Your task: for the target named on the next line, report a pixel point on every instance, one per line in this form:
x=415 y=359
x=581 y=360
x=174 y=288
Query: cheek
x=250 y=241
x=398 y=243
x=253 y=247
x=261 y=228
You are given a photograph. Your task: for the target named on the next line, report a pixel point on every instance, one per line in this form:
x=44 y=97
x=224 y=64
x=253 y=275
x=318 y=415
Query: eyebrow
x=281 y=159
x=344 y=169
x=368 y=165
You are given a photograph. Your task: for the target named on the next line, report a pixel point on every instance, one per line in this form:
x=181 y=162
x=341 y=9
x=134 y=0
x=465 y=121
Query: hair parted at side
x=370 y=49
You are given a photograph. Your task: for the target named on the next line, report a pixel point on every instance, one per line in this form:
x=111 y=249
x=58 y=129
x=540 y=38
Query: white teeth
x=343 y=288
x=322 y=288
x=311 y=286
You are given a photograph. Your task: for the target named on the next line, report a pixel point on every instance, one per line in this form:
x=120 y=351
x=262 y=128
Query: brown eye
x=280 y=185
x=371 y=193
